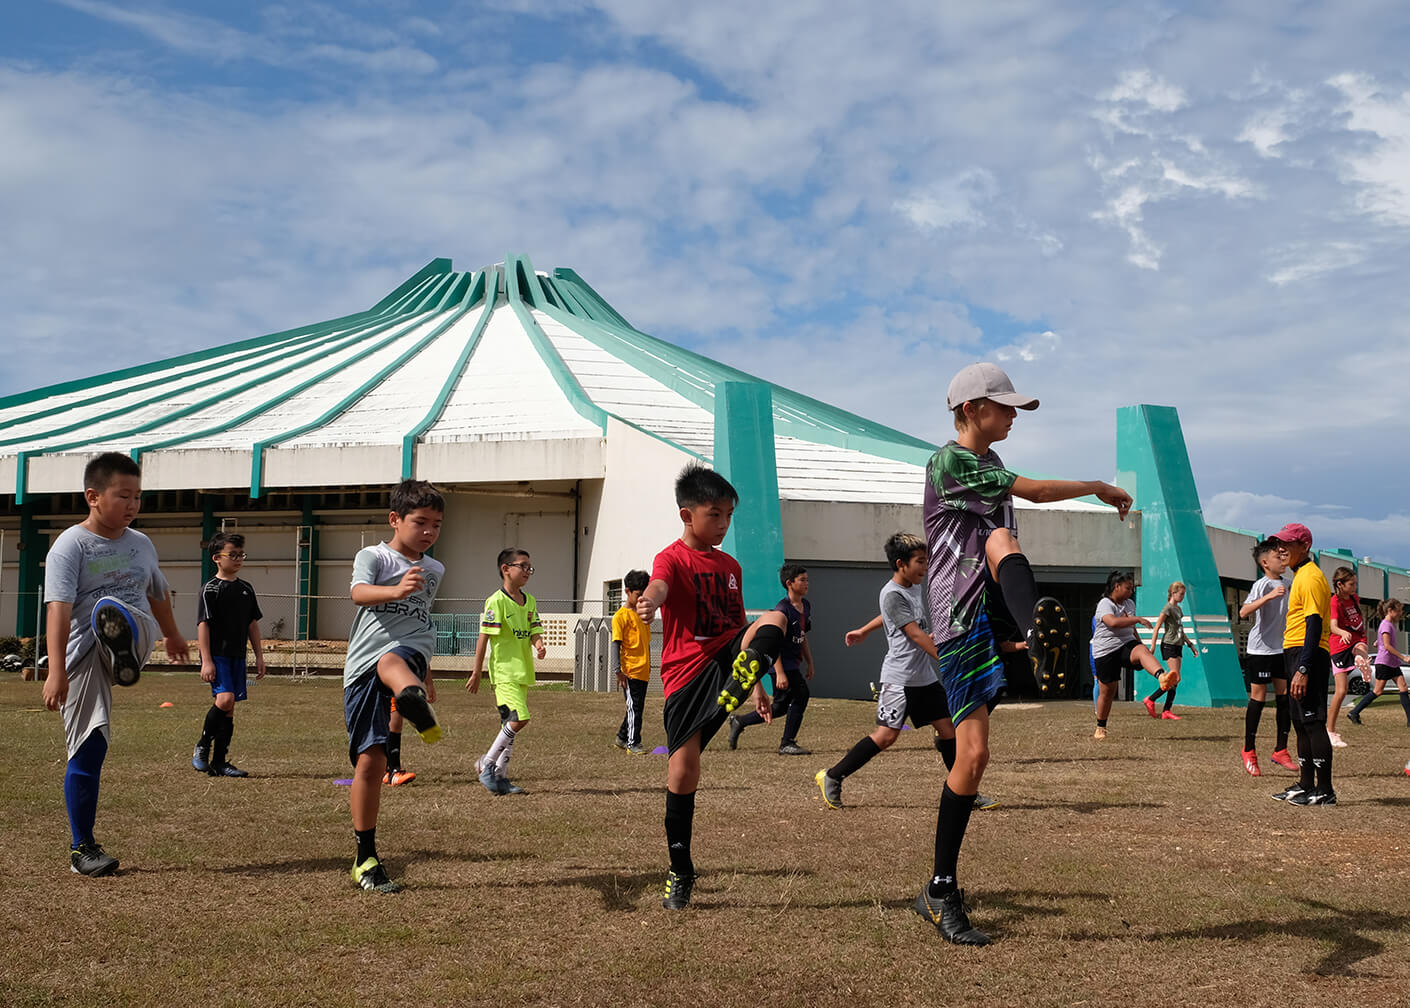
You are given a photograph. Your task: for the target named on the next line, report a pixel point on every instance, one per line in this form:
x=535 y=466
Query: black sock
x=393 y=751
x=211 y=729
x=1252 y=716
x=950 y=824
x=1405 y=705
x=748 y=719
x=1304 y=755
x=366 y=843
x=1321 y=760
x=1156 y=695
x=1363 y=703
x=221 y=749
x=1101 y=722
x=1283 y=718
x=1019 y=588
x=768 y=641
x=680 y=823
x=1170 y=698
x=946 y=748
x=856 y=758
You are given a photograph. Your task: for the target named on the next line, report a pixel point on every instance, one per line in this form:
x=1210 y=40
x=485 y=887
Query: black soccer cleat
x=117 y=636
x=1048 y=642
x=948 y=915
x=89 y=858
x=226 y=770
x=413 y=705
x=370 y=875
x=1292 y=792
x=748 y=666
x=1314 y=797
x=736 y=727
x=201 y=758
x=678 y=889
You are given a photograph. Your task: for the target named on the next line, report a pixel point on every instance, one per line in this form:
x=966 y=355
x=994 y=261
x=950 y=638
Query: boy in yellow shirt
x=631 y=659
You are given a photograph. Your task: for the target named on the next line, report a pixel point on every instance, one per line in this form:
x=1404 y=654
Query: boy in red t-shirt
x=709 y=650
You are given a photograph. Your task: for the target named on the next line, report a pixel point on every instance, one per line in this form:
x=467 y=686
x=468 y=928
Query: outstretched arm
x=1052 y=491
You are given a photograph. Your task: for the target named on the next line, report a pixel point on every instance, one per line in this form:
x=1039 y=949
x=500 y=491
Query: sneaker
x=793 y=749
x=90 y=859
x=117 y=635
x=620 y=743
x=396 y=778
x=1284 y=759
x=1289 y=794
x=678 y=889
x=201 y=758
x=983 y=803
x=1048 y=640
x=637 y=749
x=1314 y=797
x=226 y=769
x=1353 y=717
x=413 y=705
x=1100 y=733
x=507 y=786
x=875 y=692
x=748 y=666
x=1337 y=741
x=1150 y=707
x=489 y=775
x=735 y=729
x=832 y=789
x=1170 y=716
x=370 y=875
x=949 y=917
x=1251 y=763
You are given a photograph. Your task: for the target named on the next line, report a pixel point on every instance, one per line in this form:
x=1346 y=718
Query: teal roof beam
x=432 y=268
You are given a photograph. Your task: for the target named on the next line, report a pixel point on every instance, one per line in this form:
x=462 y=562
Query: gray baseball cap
x=986 y=381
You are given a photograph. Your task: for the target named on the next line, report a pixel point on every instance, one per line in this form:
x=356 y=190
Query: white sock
x=504 y=757
x=502 y=742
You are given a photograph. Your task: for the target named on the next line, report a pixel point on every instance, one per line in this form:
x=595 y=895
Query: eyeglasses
x=231 y=556
x=526 y=568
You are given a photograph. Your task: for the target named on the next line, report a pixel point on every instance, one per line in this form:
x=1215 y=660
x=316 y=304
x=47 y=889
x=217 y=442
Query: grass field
x=1146 y=870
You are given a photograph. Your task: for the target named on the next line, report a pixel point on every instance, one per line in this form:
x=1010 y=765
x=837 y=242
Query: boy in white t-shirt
x=1267 y=602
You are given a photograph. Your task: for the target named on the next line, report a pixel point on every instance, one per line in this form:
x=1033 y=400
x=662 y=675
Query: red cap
x=1293 y=532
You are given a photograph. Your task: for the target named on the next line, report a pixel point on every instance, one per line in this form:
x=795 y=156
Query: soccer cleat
x=678 y=887
x=201 y=758
x=413 y=705
x=1170 y=716
x=619 y=742
x=1289 y=794
x=983 y=803
x=1100 y=733
x=1251 y=763
x=370 y=875
x=226 y=770
x=1048 y=640
x=1407 y=769
x=832 y=789
x=489 y=775
x=89 y=858
x=875 y=692
x=507 y=786
x=396 y=778
x=948 y=915
x=748 y=666
x=637 y=749
x=1353 y=717
x=1284 y=759
x=793 y=749
x=735 y=729
x=1337 y=741
x=1150 y=707
x=117 y=635
x=1314 y=797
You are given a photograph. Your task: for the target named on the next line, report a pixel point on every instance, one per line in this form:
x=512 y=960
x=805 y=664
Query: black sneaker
x=370 y=875
x=1292 y=792
x=983 y=803
x=748 y=666
x=1353 y=717
x=830 y=787
x=117 y=636
x=949 y=917
x=201 y=758
x=678 y=889
x=1048 y=640
x=620 y=742
x=413 y=705
x=793 y=749
x=90 y=859
x=226 y=770
x=1314 y=797
x=736 y=728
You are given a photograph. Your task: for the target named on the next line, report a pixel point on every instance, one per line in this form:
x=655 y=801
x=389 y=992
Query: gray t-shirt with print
x=83 y=567
x=1270 y=620
x=404 y=622
x=1105 y=640
x=905 y=664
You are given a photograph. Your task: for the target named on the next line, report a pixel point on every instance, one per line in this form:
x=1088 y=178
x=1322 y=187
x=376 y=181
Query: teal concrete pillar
x=33 y=546
x=744 y=455
x=1154 y=467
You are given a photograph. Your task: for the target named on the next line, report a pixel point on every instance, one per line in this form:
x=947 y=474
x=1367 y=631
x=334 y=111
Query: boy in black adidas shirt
x=228 y=615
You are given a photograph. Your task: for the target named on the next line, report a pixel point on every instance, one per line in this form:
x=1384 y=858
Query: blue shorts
x=367 y=704
x=229 y=676
x=971 y=670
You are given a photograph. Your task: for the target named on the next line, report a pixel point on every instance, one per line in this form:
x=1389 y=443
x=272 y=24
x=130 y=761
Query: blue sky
x=1147 y=202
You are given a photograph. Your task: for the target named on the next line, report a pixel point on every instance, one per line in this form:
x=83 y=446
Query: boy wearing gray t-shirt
x=1267 y=603
x=106 y=601
x=389 y=650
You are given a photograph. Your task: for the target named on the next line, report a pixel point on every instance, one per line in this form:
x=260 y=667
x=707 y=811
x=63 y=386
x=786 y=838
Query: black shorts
x=924 y=705
x=1110 y=666
x=1344 y=661
x=1263 y=668
x=695 y=707
x=1168 y=651
x=367 y=703
x=1312 y=708
x=1388 y=672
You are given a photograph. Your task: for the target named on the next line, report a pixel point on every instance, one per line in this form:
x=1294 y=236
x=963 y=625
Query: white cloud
x=957 y=201
x=1331 y=525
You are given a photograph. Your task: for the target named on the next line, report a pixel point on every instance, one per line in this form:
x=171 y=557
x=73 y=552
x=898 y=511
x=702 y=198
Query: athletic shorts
x=971 y=671
x=1344 y=661
x=1111 y=665
x=1168 y=651
x=1312 y=708
x=1263 y=668
x=1388 y=672
x=695 y=707
x=924 y=705
x=512 y=698
x=229 y=676
x=367 y=703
